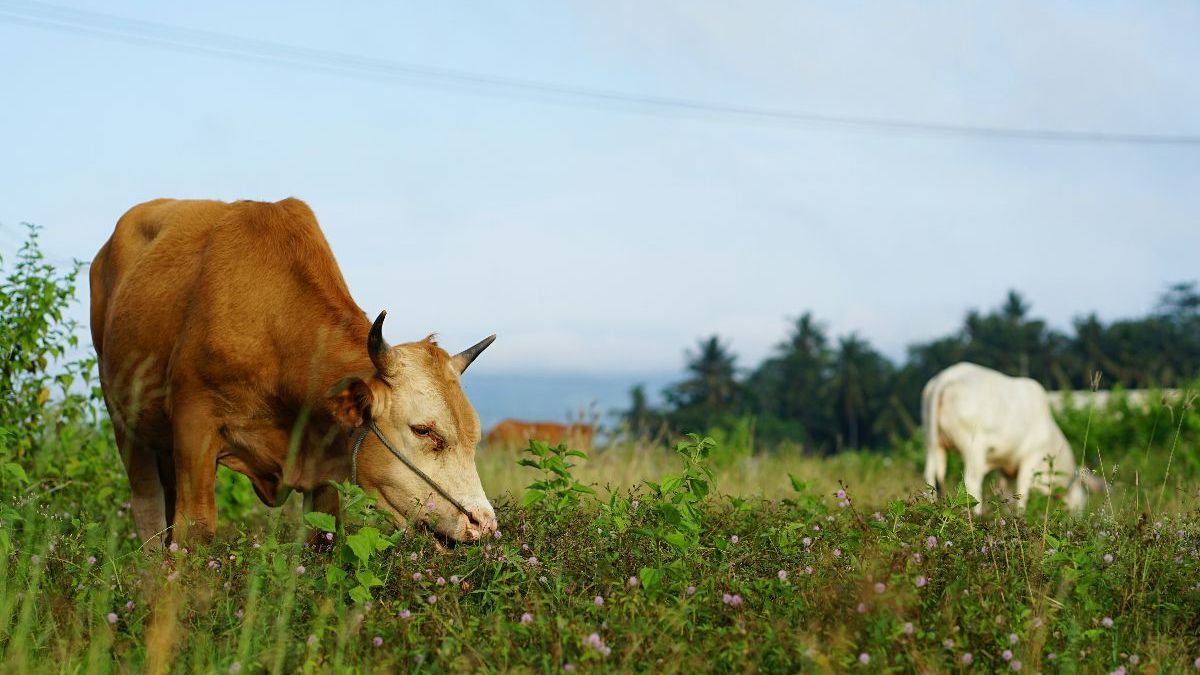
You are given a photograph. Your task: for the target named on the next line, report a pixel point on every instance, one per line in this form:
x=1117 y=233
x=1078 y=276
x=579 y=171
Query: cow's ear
x=350 y=401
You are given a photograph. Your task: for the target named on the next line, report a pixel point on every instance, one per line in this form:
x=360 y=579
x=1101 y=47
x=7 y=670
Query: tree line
x=833 y=394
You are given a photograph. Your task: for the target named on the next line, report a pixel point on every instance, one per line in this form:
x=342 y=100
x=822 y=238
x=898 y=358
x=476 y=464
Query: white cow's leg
x=973 y=475
x=1025 y=483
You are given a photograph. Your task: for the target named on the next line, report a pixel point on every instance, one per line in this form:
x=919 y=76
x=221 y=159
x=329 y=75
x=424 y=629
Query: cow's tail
x=935 y=454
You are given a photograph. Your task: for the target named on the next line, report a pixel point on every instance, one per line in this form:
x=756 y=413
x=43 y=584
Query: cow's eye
x=421 y=430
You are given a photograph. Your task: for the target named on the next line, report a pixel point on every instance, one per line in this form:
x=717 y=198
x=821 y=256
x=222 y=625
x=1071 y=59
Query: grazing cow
x=516 y=434
x=226 y=335
x=996 y=422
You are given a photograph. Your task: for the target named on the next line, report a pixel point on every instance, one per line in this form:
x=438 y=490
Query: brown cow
x=517 y=433
x=226 y=335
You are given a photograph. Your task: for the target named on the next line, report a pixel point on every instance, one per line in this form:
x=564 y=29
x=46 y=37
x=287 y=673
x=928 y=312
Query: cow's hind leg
x=195 y=457
x=973 y=475
x=147 y=498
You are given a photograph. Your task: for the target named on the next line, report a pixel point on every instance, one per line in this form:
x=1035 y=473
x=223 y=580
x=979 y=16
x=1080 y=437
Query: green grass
x=244 y=603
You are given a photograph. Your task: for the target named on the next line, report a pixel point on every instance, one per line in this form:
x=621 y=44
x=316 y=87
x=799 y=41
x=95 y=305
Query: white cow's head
x=415 y=398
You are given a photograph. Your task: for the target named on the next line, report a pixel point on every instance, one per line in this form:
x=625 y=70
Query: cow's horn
x=378 y=348
x=464 y=358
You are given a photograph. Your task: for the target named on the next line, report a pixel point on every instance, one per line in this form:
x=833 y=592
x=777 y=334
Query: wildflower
x=413 y=557
x=454 y=578
x=841 y=494
x=948 y=643
x=598 y=601
x=1107 y=622
x=430 y=506
x=1051 y=656
x=1015 y=665
x=441 y=581
x=880 y=587
x=213 y=564
x=593 y=641
x=569 y=667
x=240 y=613
x=1007 y=655
x=235 y=667
x=129 y=606
x=807 y=541
x=525 y=547
x=782 y=574
x=91 y=560
x=844 y=503
x=417 y=576
x=931 y=542
x=908 y=628
x=300 y=569
x=632 y=582
x=864 y=658
x=808 y=569
x=405 y=614
x=173 y=547
x=916 y=557
x=312 y=639
x=967 y=658
x=112 y=617
x=691 y=590
x=377 y=641
x=862 y=608
x=634 y=504
x=837 y=552
x=1108 y=558
x=432 y=599
x=1134 y=659
x=173 y=576
x=497 y=534
x=1012 y=638
x=1196 y=663
x=542 y=579
x=526 y=618
x=829 y=518
x=733 y=539
x=1037 y=622
x=877 y=516
x=816 y=528
x=1119 y=671
x=532 y=560
x=921 y=581
x=328 y=536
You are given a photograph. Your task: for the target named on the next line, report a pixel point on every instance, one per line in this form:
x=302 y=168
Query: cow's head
x=415 y=399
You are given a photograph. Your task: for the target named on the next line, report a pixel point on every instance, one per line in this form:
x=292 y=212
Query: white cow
x=996 y=422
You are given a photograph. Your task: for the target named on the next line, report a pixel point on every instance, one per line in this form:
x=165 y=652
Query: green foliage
x=557 y=490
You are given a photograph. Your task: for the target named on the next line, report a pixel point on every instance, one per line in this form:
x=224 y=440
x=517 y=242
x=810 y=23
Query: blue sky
x=606 y=241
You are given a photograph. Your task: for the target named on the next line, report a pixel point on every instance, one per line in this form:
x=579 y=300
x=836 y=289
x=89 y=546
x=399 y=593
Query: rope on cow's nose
x=407 y=462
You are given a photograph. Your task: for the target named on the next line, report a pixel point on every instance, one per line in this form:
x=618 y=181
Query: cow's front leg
x=323 y=499
x=1025 y=483
x=973 y=475
x=196 y=446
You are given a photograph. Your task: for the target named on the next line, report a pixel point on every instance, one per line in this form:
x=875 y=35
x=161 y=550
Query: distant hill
x=556 y=397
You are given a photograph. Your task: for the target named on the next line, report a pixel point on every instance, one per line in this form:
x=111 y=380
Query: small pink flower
x=841 y=494
x=213 y=564
x=240 y=613
x=532 y=560
x=173 y=576
x=526 y=618
x=454 y=578
x=880 y=587
x=497 y=534
x=173 y=547
x=91 y=560
x=1108 y=558
x=808 y=569
x=782 y=574
x=441 y=581
x=921 y=581
x=405 y=614
x=967 y=658
x=417 y=576
x=598 y=601
x=377 y=641
x=430 y=506
x=300 y=569
x=864 y=658
x=916 y=557
x=1196 y=663
x=1015 y=665
x=1006 y=655
x=837 y=552
x=908 y=628
x=931 y=542
x=1107 y=622
x=569 y=667
x=1012 y=638
x=736 y=600
x=733 y=539
x=1134 y=659
x=807 y=541
x=632 y=582
x=432 y=599
x=112 y=617
x=413 y=557
x=862 y=608
x=948 y=643
x=129 y=606
x=691 y=590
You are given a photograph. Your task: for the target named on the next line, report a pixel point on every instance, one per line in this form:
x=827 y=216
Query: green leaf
x=365 y=542
x=799 y=485
x=360 y=594
x=532 y=497
x=324 y=522
x=368 y=578
x=334 y=575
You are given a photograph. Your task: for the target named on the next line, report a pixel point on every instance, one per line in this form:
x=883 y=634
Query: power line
x=194 y=41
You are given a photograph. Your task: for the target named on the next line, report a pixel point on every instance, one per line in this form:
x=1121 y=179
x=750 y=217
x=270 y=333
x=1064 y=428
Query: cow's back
x=197 y=289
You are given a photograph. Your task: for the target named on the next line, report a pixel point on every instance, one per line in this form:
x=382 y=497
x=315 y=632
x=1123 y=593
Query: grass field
x=762 y=565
